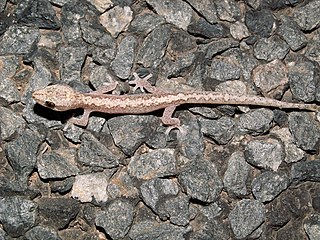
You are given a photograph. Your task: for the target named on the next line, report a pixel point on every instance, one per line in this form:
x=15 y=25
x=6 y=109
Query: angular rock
x=153 y=48
x=57 y=165
x=307 y=16
x=267 y=185
x=17 y=215
x=200 y=180
x=305 y=171
x=95 y=154
x=156 y=191
x=123 y=61
x=236 y=175
x=19 y=40
x=265 y=153
x=58 y=212
x=156 y=163
x=305 y=130
x=246 y=217
x=116 y=219
x=256 y=122
x=176 y=12
x=290 y=32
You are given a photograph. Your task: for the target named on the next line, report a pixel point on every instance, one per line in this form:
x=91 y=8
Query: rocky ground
x=236 y=173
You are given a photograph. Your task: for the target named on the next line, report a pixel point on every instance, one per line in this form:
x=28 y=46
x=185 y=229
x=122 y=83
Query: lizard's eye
x=49 y=104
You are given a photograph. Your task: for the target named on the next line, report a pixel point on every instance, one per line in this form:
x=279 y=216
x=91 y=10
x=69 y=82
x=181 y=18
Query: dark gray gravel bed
x=235 y=172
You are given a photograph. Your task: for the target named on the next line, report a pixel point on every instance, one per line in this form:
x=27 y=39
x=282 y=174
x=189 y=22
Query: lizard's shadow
x=55 y=115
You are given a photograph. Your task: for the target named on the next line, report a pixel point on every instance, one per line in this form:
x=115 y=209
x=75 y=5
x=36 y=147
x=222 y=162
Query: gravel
x=233 y=172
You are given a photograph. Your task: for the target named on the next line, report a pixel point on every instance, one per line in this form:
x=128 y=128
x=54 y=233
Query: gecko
x=62 y=98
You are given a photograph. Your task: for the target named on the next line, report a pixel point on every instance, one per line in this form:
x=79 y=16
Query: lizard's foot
x=181 y=130
x=142 y=83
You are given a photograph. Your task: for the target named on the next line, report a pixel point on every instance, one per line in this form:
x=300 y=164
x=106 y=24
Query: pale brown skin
x=63 y=98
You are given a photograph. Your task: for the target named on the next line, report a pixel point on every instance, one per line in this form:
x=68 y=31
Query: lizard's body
x=62 y=98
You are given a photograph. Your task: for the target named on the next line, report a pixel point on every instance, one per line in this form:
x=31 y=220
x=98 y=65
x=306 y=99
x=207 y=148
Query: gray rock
x=122 y=185
x=17 y=215
x=41 y=14
x=11 y=124
x=153 y=48
x=206 y=8
x=293 y=152
x=123 y=61
x=268 y=185
x=207 y=112
x=214 y=229
x=176 y=209
x=218 y=46
x=40 y=232
x=179 y=66
x=71 y=59
x=246 y=217
x=61 y=186
x=8 y=92
x=271 y=48
x=19 y=40
x=145 y=23
x=290 y=32
x=256 y=122
x=116 y=219
x=57 y=212
x=9 y=66
x=94 y=34
x=260 y=22
x=93 y=153
x=156 y=191
x=265 y=153
x=200 y=27
x=221 y=130
x=305 y=171
x=292 y=231
x=312 y=226
x=176 y=12
x=2 y=5
x=305 y=130
x=271 y=78
x=60 y=2
x=313 y=51
x=307 y=16
x=236 y=175
x=191 y=143
x=200 y=180
x=57 y=164
x=156 y=163
x=223 y=69
x=71 y=14
x=151 y=229
x=21 y=152
x=130 y=131
x=101 y=75
x=246 y=61
x=228 y=10
x=303 y=80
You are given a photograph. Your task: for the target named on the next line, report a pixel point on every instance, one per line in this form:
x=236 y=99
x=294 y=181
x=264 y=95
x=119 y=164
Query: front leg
x=167 y=119
x=82 y=121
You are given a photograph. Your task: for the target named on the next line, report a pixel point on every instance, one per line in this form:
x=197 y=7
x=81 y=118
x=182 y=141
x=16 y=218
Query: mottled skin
x=62 y=98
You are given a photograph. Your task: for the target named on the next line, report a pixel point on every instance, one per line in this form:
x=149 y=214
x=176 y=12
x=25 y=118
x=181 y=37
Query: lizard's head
x=56 y=97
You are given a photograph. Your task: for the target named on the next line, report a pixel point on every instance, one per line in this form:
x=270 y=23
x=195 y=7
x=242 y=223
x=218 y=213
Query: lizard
x=62 y=98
